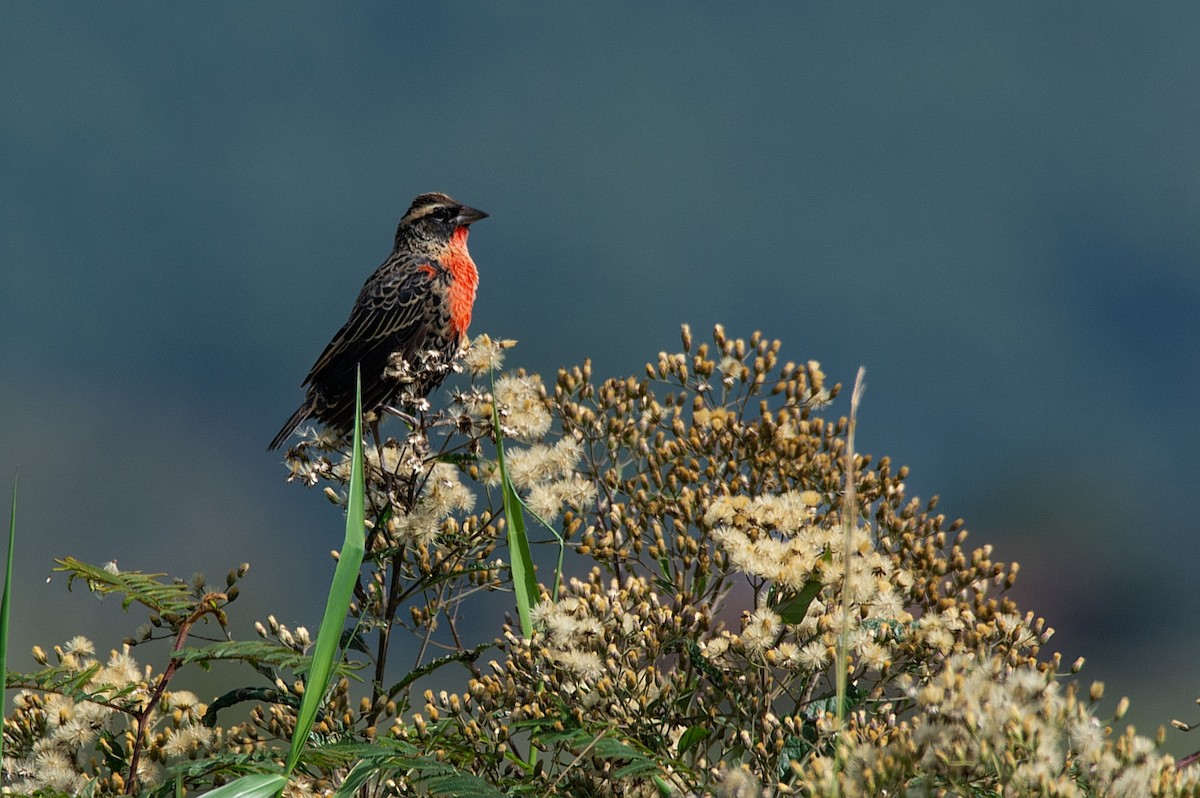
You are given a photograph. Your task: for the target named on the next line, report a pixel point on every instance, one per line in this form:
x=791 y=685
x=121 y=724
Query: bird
x=418 y=300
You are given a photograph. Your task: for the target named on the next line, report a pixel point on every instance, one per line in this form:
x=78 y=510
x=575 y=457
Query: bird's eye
x=443 y=214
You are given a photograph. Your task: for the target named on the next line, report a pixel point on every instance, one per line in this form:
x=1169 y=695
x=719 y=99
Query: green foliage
x=394 y=758
x=110 y=724
x=170 y=602
x=260 y=652
x=734 y=560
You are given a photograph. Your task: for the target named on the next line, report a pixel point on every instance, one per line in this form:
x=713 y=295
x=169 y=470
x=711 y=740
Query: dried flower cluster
x=705 y=638
x=721 y=581
x=981 y=726
x=65 y=741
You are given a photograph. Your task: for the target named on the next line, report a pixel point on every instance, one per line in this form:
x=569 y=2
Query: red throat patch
x=465 y=279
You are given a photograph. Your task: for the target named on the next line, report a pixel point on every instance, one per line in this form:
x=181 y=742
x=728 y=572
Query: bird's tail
x=298 y=418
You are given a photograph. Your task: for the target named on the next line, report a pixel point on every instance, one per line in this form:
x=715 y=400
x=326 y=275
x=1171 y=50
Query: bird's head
x=435 y=217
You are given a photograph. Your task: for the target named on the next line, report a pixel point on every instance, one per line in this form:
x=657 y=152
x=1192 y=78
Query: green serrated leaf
x=467 y=656
x=612 y=748
x=257 y=651
x=67 y=681
x=268 y=695
x=457 y=784
x=171 y=600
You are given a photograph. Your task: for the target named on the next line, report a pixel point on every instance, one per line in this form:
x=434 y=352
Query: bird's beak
x=467 y=215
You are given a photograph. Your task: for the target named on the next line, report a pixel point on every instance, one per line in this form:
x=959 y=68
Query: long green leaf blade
x=520 y=558
x=345 y=577
x=4 y=601
x=258 y=785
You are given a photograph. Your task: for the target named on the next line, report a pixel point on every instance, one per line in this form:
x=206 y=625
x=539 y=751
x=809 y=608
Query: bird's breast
x=464 y=280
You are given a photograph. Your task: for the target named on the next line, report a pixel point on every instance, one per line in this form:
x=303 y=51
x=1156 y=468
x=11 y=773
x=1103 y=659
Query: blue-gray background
x=994 y=211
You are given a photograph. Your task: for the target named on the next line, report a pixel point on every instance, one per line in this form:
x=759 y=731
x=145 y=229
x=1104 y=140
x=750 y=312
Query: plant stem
x=210 y=603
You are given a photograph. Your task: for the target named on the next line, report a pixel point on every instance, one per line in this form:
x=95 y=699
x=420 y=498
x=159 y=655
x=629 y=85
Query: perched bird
x=420 y=299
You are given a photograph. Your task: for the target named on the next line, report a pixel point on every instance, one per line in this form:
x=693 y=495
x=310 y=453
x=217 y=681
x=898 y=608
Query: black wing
x=392 y=314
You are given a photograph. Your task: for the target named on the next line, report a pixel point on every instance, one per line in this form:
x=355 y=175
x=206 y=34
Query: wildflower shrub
x=719 y=582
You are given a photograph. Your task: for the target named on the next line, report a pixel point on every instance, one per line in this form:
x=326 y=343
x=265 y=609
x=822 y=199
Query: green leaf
x=341 y=593
x=266 y=695
x=352 y=640
x=795 y=749
x=167 y=599
x=691 y=738
x=520 y=558
x=6 y=598
x=462 y=785
x=468 y=656
x=820 y=706
x=386 y=758
x=794 y=610
x=358 y=776
x=259 y=785
x=259 y=652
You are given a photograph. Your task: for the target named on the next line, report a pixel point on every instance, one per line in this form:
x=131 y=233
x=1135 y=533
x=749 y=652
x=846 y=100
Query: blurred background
x=993 y=210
